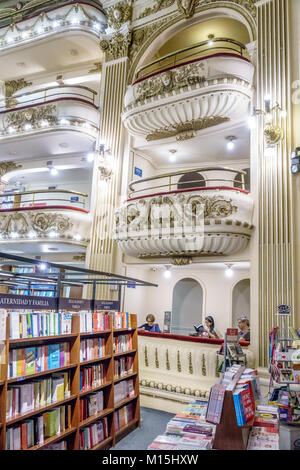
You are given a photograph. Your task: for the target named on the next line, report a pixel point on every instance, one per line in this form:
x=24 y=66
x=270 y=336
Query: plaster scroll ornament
x=11 y=87
x=119 y=14
x=187 y=7
x=34 y=116
x=160 y=5
x=6 y=167
x=116 y=46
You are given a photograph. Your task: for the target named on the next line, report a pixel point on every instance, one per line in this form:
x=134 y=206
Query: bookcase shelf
x=72 y=434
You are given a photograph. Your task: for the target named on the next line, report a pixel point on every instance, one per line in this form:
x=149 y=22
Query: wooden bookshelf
x=72 y=433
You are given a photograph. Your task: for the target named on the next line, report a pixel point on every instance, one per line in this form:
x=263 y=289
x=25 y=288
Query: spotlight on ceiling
x=172 y=157
x=211 y=37
x=230 y=143
x=229 y=271
x=51 y=168
x=167 y=272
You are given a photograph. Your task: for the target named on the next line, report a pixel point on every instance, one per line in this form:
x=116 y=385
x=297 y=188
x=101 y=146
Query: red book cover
x=24 y=436
x=247 y=403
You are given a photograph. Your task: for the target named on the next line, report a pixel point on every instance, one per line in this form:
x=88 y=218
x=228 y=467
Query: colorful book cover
x=53 y=356
x=30 y=355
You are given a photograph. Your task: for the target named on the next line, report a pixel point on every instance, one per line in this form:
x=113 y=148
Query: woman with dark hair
x=209 y=328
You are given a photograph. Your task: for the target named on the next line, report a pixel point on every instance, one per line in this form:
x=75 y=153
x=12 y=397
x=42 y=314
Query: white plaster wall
x=217 y=293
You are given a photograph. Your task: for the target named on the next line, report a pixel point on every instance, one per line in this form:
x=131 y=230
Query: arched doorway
x=187 y=306
x=191 y=180
x=241 y=301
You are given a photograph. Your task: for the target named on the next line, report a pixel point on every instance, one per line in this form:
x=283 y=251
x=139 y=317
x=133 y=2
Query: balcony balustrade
x=188 y=91
x=55 y=216
x=211 y=214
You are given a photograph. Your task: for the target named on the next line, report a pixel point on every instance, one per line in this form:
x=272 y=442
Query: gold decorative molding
x=203 y=365
x=167 y=360
x=160 y=5
x=191 y=370
x=97 y=69
x=181 y=260
x=79 y=257
x=187 y=7
x=146 y=357
x=273 y=134
x=42 y=223
x=11 y=87
x=116 y=47
x=118 y=15
x=33 y=116
x=178 y=361
x=6 y=167
x=156 y=359
x=186 y=130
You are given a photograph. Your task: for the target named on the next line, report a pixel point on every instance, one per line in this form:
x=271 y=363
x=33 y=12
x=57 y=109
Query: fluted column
x=105 y=194
x=275 y=204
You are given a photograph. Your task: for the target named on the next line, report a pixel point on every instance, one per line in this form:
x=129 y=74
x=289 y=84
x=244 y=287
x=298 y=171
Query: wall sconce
x=272 y=115
x=104 y=167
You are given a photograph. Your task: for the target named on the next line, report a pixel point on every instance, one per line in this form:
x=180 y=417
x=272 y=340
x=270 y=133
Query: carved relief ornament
x=119 y=14
x=41 y=223
x=33 y=116
x=6 y=167
x=187 y=7
x=115 y=46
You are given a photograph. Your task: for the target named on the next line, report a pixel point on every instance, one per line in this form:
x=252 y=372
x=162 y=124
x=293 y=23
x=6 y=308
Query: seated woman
x=209 y=328
x=150 y=325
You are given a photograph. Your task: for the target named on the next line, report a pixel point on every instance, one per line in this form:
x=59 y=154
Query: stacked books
x=28 y=361
x=91 y=377
x=265 y=432
x=121 y=320
x=27 y=397
x=91 y=405
x=34 y=431
x=123 y=366
x=123 y=416
x=33 y=325
x=93 y=321
x=92 y=348
x=187 y=431
x=92 y=435
x=123 y=390
x=122 y=343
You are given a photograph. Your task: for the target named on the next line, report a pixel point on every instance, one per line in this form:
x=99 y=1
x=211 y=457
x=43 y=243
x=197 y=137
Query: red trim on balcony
x=42 y=208
x=46 y=102
x=218 y=54
x=207 y=188
x=191 y=339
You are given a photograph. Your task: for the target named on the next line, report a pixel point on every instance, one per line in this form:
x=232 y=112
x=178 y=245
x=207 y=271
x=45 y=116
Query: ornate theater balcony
x=185 y=92
x=25 y=25
x=203 y=212
x=48 y=114
x=43 y=219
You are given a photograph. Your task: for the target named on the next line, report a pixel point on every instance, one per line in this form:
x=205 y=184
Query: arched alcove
x=191 y=180
x=240 y=301
x=187 y=306
x=237 y=180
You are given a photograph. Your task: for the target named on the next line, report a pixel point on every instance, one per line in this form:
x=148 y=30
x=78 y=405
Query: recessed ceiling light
x=172 y=157
x=12 y=154
x=230 y=143
x=64 y=145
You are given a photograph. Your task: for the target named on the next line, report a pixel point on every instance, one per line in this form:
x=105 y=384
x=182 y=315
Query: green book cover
x=30 y=354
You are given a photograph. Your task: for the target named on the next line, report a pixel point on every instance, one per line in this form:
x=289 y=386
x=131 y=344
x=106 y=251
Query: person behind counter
x=150 y=325
x=244 y=333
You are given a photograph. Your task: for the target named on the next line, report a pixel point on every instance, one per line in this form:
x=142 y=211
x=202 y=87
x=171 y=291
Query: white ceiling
x=207 y=147
x=50 y=55
x=44 y=145
x=74 y=175
x=37 y=248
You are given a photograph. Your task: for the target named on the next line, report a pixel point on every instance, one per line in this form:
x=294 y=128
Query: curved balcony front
x=43 y=116
x=41 y=220
x=25 y=27
x=207 y=217
x=193 y=95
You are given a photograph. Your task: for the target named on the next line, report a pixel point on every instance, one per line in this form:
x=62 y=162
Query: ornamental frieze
x=11 y=87
x=6 y=167
x=33 y=116
x=186 y=130
x=115 y=47
x=170 y=80
x=42 y=223
x=119 y=14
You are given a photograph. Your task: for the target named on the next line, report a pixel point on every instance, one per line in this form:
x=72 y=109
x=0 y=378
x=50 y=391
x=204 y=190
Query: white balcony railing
x=63 y=19
x=39 y=215
x=211 y=215
x=60 y=107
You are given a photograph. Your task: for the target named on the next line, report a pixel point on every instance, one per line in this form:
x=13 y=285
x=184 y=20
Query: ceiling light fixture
x=229 y=271
x=272 y=115
x=230 y=143
x=172 y=157
x=43 y=266
x=211 y=37
x=167 y=272
x=51 y=168
x=90 y=157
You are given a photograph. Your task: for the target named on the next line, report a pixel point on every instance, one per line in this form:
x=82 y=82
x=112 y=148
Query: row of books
x=123 y=366
x=93 y=321
x=245 y=396
x=91 y=377
x=33 y=325
x=122 y=343
x=61 y=445
x=27 y=397
x=91 y=405
x=38 y=293
x=28 y=361
x=121 y=320
x=34 y=431
x=123 y=390
x=264 y=434
x=123 y=416
x=92 y=435
x=92 y=348
x=187 y=431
